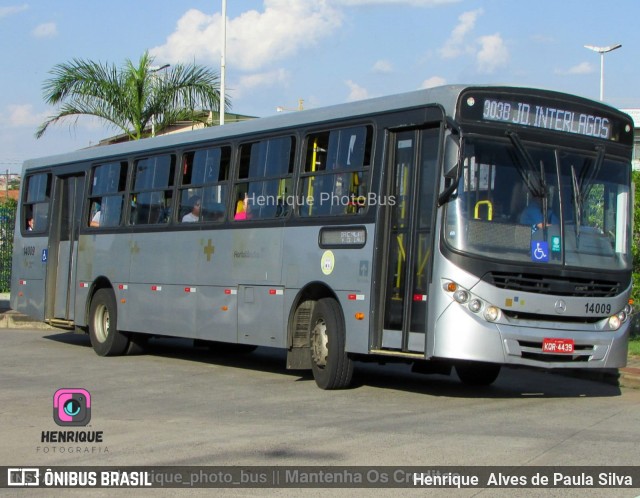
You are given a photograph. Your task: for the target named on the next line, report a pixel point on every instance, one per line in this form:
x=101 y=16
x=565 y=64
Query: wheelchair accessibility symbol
x=539 y=251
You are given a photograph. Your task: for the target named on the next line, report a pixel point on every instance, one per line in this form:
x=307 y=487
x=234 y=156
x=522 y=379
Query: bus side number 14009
x=597 y=308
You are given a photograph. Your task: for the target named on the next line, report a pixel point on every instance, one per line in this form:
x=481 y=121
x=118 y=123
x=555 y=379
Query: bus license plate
x=562 y=346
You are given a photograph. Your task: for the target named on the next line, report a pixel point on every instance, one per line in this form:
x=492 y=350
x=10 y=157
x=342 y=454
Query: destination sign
x=546 y=114
x=343 y=237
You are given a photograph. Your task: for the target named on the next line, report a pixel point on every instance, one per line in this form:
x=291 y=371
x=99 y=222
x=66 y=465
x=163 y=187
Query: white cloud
x=277 y=77
x=13 y=9
x=254 y=39
x=23 y=115
x=492 y=54
x=415 y=3
x=582 y=68
x=356 y=92
x=382 y=66
x=490 y=51
x=432 y=82
x=46 y=30
x=455 y=44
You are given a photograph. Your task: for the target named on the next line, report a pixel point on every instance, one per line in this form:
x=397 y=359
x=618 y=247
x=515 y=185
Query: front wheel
x=332 y=368
x=477 y=373
x=103 y=325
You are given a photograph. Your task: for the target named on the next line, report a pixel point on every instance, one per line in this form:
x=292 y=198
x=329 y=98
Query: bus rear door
x=63 y=248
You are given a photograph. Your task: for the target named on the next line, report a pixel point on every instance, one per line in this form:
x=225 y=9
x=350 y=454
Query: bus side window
x=264 y=185
x=152 y=195
x=106 y=196
x=36 y=204
x=336 y=172
x=205 y=175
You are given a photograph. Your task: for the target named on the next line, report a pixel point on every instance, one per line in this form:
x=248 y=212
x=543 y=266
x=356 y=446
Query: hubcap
x=102 y=323
x=319 y=343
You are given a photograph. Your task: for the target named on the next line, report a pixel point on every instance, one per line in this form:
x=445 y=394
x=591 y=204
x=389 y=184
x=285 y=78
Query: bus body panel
x=28 y=275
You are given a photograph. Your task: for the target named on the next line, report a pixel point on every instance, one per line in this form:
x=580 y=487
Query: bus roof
x=446 y=96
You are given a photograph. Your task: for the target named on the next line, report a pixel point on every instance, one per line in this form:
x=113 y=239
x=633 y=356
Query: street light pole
x=222 y=61
x=602 y=51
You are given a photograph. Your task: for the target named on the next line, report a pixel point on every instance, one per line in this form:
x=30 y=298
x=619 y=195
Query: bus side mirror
x=451 y=167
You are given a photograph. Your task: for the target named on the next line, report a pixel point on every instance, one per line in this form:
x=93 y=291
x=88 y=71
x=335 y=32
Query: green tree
x=635 y=244
x=132 y=98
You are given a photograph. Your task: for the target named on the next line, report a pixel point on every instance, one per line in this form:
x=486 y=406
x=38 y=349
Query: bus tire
x=476 y=373
x=103 y=325
x=331 y=366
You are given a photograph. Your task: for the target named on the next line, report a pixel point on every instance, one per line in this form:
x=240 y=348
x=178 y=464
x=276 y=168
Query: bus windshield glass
x=526 y=203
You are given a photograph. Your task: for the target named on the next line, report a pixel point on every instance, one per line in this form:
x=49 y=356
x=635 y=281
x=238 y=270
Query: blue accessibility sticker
x=539 y=251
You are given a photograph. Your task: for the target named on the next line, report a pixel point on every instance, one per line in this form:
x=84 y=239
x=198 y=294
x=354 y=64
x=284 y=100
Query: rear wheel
x=103 y=325
x=332 y=368
x=475 y=373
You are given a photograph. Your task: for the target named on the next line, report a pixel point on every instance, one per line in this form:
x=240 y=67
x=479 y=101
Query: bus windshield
x=528 y=203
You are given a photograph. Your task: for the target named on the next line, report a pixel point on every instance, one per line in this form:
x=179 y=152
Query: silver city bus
x=462 y=226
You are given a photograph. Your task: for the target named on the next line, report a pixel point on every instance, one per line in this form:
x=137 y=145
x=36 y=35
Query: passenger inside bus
x=193 y=215
x=241 y=206
x=533 y=217
x=95 y=219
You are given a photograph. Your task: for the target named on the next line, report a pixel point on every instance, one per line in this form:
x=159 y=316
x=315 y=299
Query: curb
x=14 y=320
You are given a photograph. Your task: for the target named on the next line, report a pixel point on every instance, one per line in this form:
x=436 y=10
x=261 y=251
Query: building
x=181 y=126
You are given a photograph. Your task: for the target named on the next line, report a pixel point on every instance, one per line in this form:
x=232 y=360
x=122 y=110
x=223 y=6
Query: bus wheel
x=332 y=368
x=103 y=325
x=477 y=373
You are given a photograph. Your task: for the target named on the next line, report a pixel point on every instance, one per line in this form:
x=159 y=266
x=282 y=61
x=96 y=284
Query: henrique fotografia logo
x=72 y=407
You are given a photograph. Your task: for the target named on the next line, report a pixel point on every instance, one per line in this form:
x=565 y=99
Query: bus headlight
x=614 y=322
x=475 y=305
x=491 y=314
x=461 y=296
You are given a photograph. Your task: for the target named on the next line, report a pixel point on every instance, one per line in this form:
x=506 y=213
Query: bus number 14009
x=597 y=308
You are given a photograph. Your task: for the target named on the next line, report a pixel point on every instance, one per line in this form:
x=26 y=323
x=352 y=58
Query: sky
x=324 y=52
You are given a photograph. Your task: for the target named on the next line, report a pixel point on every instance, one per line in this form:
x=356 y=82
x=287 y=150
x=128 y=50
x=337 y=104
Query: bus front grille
x=551 y=285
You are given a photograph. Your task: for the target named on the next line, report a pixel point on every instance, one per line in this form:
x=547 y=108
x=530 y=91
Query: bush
x=7 y=224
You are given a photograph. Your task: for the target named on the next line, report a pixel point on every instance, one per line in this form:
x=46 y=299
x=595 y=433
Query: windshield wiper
x=538 y=188
x=582 y=186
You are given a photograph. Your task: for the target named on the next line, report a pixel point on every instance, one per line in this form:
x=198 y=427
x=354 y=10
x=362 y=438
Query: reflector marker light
x=276 y=292
x=355 y=297
x=123 y=286
x=189 y=289
x=84 y=285
x=231 y=292
x=419 y=297
x=156 y=288
x=22 y=282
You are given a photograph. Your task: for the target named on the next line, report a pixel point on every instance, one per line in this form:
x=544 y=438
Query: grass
x=634 y=346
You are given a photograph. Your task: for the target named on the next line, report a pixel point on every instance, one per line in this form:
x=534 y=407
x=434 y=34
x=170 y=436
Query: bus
x=458 y=228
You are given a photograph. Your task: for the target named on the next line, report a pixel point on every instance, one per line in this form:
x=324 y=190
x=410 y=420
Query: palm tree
x=131 y=99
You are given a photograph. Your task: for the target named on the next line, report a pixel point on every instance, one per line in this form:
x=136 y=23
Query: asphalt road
x=177 y=405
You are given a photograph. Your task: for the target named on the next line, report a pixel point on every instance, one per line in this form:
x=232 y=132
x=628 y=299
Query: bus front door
x=63 y=248
x=413 y=182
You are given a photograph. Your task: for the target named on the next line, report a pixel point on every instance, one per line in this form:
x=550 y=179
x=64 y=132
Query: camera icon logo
x=72 y=407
